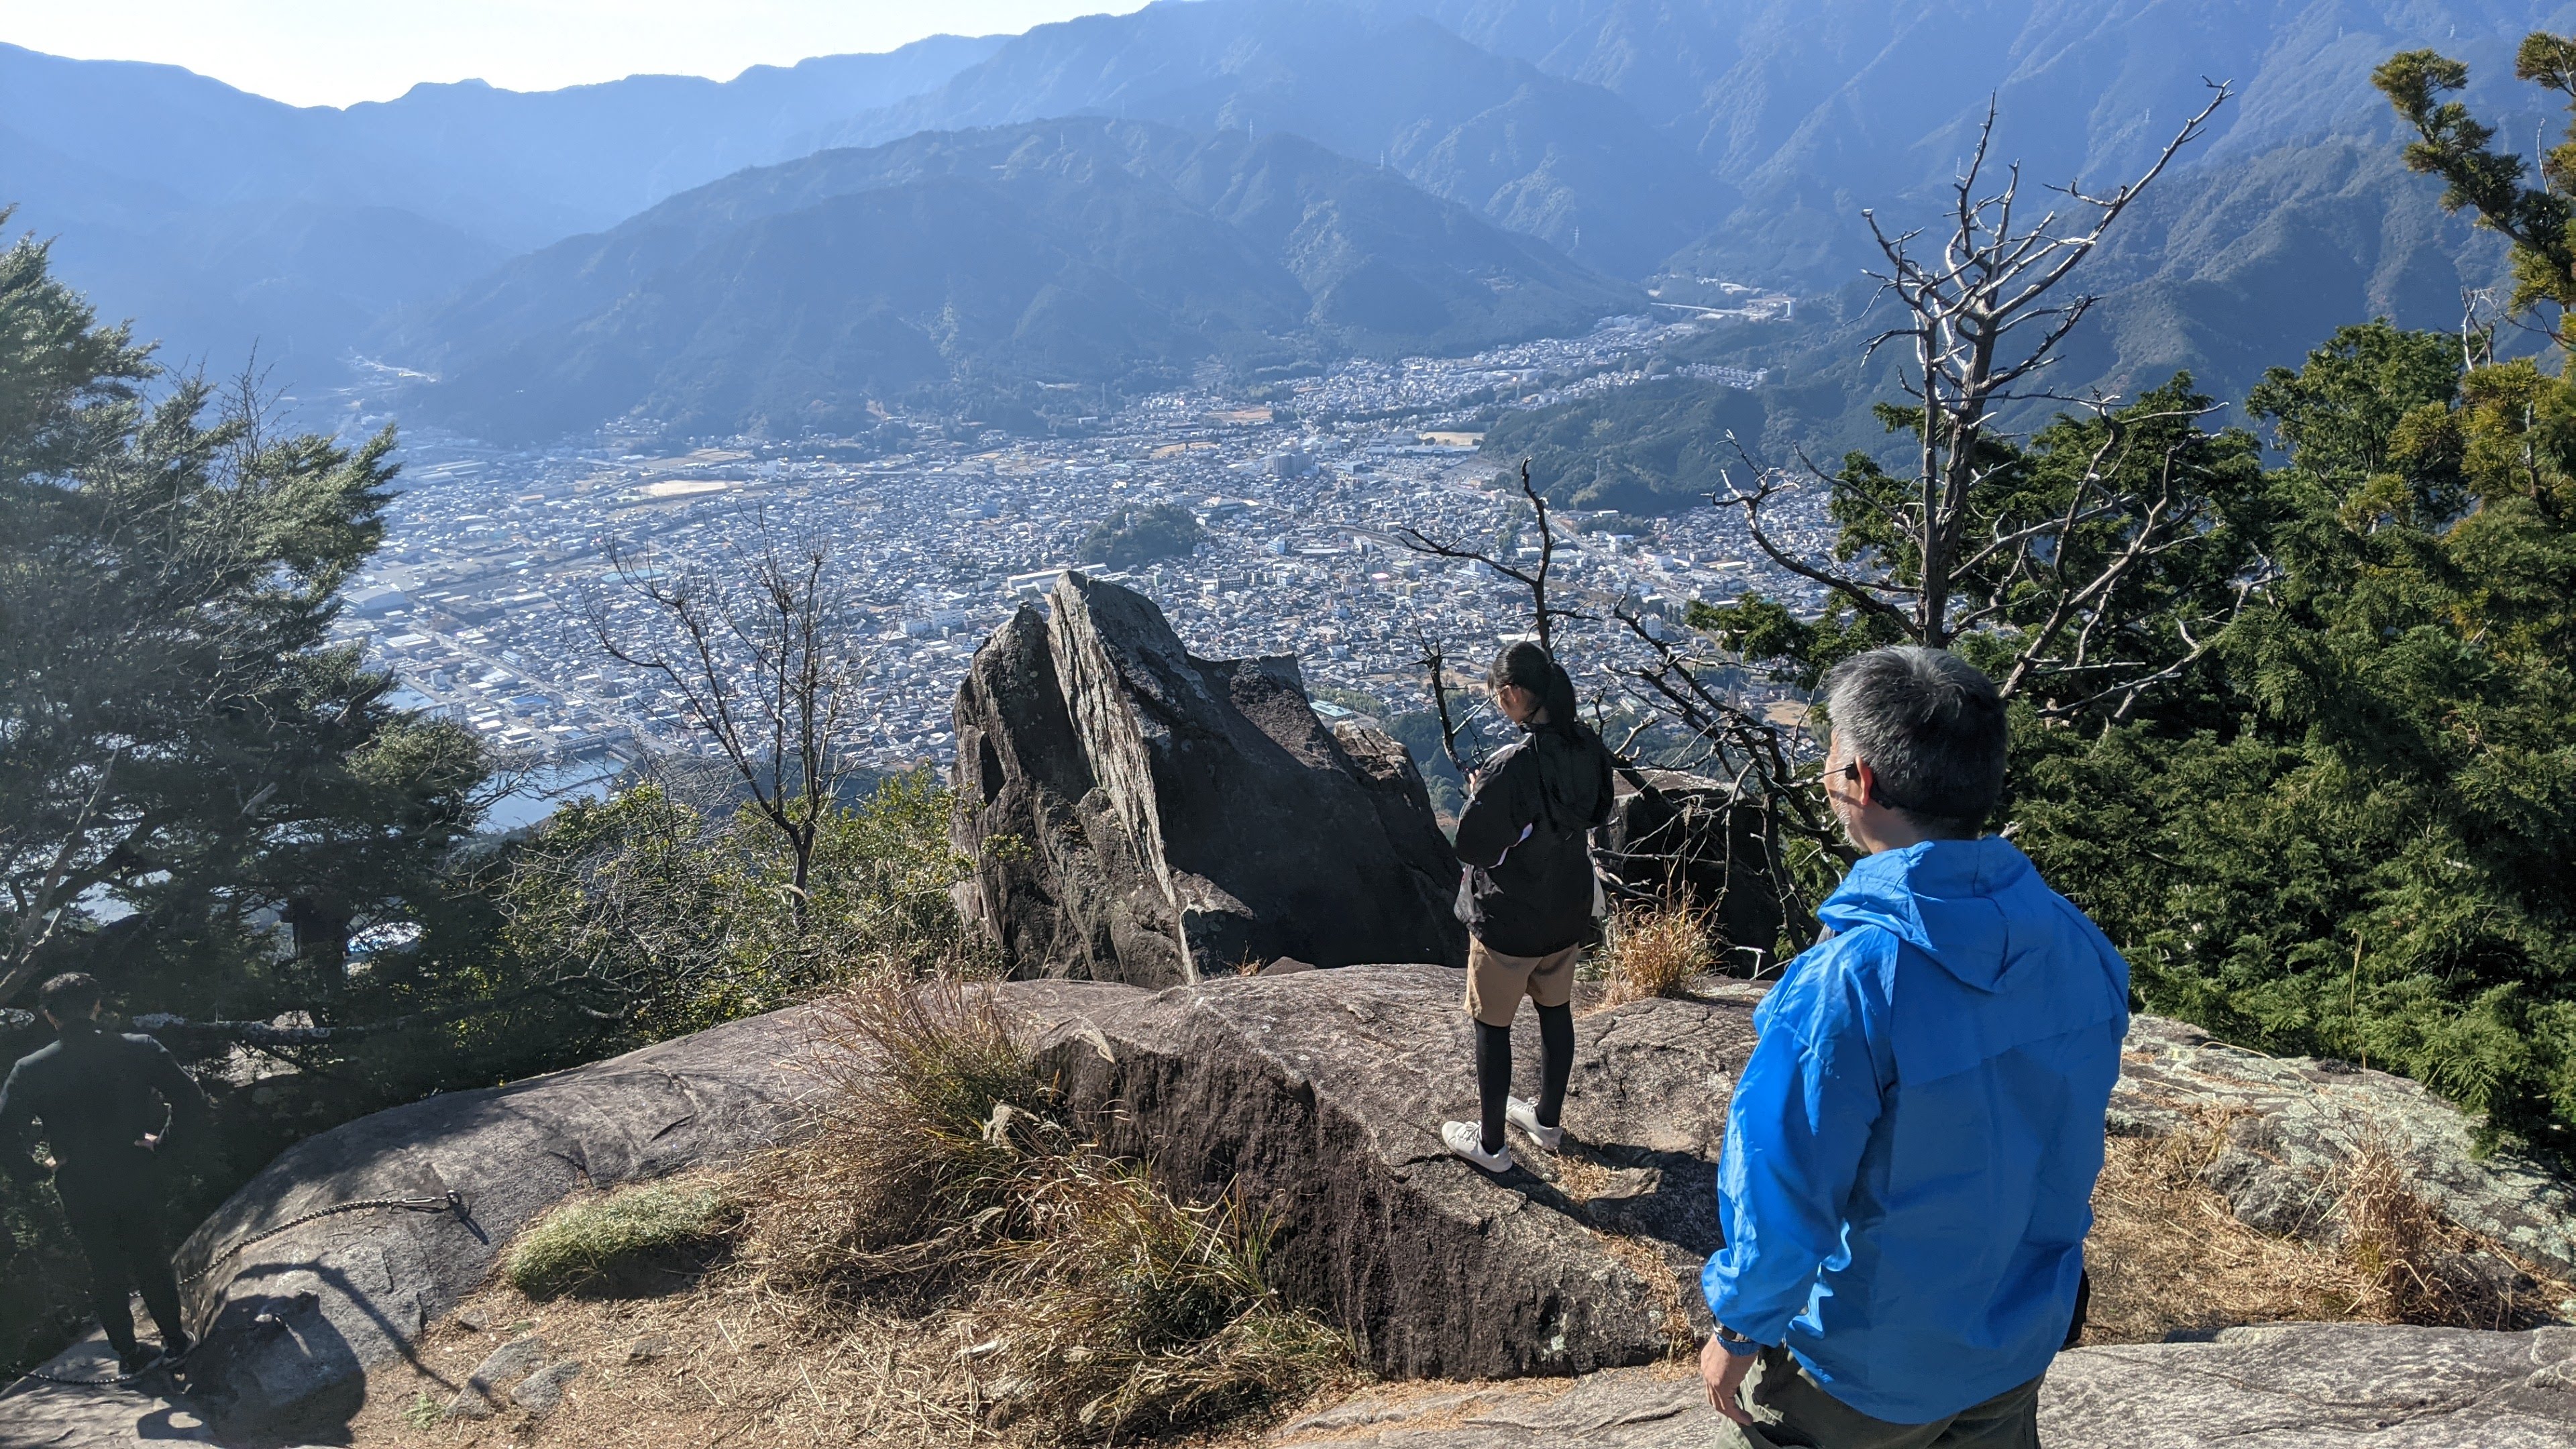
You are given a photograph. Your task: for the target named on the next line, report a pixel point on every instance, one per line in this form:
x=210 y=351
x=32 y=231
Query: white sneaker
x=1467 y=1139
x=1524 y=1115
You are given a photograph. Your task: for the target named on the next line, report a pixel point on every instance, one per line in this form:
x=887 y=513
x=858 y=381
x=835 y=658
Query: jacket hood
x=2009 y=961
x=1949 y=899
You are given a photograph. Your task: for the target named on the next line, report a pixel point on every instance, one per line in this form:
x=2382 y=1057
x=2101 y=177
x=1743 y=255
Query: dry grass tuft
x=2170 y=1258
x=939 y=1185
x=1125 y=1312
x=920 y=1143
x=2414 y=1265
x=1655 y=951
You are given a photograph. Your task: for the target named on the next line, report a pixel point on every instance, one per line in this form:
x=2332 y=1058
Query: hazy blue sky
x=333 y=52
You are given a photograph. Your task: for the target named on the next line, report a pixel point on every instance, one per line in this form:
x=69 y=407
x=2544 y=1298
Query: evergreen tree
x=2358 y=848
x=186 y=761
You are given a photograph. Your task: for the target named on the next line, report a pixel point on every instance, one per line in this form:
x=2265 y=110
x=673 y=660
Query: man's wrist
x=1736 y=1343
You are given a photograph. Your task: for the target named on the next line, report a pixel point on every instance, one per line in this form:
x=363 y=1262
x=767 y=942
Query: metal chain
x=449 y=1201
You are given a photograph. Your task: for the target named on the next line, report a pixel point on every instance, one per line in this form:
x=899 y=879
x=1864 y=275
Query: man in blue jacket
x=1911 y=1150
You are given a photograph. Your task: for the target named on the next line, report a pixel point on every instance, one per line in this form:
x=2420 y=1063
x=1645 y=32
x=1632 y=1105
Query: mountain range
x=1065 y=254
x=1726 y=138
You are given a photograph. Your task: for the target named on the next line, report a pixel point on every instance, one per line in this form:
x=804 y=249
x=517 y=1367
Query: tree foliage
x=655 y=920
x=2311 y=759
x=1141 y=535
x=2354 y=841
x=182 y=749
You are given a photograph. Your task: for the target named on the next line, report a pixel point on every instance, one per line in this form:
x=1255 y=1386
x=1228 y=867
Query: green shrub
x=606 y=1242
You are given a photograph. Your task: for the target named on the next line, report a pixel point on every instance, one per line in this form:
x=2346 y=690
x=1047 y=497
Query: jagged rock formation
x=1139 y=814
x=1688 y=835
x=2286 y=1386
x=1319 y=1098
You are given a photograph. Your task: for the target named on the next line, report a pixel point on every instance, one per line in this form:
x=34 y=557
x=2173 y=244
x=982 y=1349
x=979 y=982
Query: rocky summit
x=1317 y=1098
x=1562 y=1293
x=1136 y=813
x=2278 y=1386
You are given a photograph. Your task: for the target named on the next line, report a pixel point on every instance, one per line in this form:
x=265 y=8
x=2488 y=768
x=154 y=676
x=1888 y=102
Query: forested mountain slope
x=228 y=219
x=1069 y=253
x=1735 y=140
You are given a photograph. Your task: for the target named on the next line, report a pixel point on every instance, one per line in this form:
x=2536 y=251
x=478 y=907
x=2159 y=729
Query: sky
x=337 y=52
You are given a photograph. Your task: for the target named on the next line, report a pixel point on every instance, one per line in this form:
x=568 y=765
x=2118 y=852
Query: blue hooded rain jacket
x=1911 y=1150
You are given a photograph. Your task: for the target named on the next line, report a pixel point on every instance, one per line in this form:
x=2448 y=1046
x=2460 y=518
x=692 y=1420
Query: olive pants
x=1792 y=1411
x=115 y=1212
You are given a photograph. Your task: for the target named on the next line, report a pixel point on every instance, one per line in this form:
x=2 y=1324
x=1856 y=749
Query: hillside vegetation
x=800 y=297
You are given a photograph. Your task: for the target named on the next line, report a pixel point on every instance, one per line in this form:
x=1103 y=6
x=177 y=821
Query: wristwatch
x=1736 y=1343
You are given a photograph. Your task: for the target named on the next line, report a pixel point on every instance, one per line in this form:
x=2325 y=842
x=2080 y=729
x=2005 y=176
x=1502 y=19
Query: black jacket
x=1525 y=838
x=99 y=1093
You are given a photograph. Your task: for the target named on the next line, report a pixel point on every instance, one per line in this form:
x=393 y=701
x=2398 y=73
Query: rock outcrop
x=1319 y=1097
x=2293 y=1127
x=2286 y=1386
x=295 y=1321
x=1690 y=835
x=1139 y=814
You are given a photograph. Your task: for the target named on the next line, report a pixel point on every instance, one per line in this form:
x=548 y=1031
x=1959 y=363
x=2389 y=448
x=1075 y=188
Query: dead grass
x=922 y=1134
x=941 y=1187
x=1655 y=951
x=1124 y=1311
x=2414 y=1265
x=2168 y=1256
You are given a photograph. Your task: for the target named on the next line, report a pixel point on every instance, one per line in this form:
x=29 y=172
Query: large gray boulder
x=296 y=1320
x=1136 y=813
x=1672 y=833
x=2286 y=1386
x=1319 y=1097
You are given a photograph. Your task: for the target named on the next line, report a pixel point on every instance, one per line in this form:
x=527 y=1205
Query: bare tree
x=1543 y=613
x=760 y=665
x=1984 y=319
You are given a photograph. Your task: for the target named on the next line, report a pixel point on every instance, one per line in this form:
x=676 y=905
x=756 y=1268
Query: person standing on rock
x=95 y=1092
x=1911 y=1148
x=1528 y=897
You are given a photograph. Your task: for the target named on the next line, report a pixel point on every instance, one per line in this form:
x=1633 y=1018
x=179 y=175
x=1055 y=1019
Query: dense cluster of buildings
x=502 y=568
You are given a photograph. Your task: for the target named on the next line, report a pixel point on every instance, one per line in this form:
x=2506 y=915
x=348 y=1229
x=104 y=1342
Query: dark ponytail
x=1575 y=791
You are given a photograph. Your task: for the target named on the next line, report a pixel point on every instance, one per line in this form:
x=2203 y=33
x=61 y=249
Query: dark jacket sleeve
x=188 y=1111
x=1504 y=806
x=17 y=1114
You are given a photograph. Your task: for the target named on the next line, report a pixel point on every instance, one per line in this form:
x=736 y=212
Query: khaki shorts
x=1496 y=982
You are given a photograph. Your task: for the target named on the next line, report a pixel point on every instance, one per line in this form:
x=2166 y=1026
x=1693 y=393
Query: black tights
x=1494 y=1069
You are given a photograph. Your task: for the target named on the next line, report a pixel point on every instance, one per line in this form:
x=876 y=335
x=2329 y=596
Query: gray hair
x=1931 y=726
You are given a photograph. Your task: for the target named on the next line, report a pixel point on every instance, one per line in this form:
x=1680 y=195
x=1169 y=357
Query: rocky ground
x=1318 y=1095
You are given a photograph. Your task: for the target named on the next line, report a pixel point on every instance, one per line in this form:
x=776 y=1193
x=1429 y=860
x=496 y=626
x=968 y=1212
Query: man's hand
x=149 y=1142
x=1724 y=1373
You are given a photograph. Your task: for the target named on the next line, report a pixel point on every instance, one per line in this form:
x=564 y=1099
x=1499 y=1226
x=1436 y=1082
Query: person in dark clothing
x=111 y=1104
x=1529 y=898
